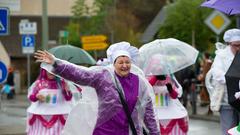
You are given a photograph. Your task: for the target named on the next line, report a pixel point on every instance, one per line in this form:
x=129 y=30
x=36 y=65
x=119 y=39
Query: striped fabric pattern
x=37 y=127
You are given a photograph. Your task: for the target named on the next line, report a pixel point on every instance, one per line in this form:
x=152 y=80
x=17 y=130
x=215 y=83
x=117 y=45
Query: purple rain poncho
x=111 y=117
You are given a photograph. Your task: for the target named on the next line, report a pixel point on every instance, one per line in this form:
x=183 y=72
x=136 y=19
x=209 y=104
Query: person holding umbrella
x=159 y=60
x=229 y=117
x=172 y=116
x=50 y=99
x=124 y=98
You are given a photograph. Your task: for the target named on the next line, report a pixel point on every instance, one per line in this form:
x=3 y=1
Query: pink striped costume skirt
x=45 y=124
x=174 y=126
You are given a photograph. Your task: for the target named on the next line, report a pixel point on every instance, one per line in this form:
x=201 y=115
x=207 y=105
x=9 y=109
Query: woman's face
x=235 y=46
x=122 y=65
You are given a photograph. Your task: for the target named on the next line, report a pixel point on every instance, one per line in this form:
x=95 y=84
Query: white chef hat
x=232 y=35
x=122 y=49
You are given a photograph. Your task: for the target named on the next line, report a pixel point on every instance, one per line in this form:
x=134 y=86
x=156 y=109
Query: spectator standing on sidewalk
x=8 y=87
x=206 y=65
x=229 y=117
x=186 y=77
x=10 y=82
x=50 y=105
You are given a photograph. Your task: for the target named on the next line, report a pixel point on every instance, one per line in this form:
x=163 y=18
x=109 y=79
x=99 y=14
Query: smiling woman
x=124 y=98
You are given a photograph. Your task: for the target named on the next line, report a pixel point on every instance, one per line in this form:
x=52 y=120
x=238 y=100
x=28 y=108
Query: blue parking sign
x=3 y=72
x=28 y=41
x=4 y=21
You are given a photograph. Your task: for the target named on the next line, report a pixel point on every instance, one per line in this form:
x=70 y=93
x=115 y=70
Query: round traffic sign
x=3 y=72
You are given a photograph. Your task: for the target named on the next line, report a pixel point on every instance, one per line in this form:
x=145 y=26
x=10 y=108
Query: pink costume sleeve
x=35 y=90
x=174 y=93
x=152 y=80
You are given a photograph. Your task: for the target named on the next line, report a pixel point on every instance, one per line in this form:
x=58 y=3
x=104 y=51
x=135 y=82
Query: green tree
x=74 y=34
x=185 y=21
x=118 y=19
x=145 y=10
x=90 y=20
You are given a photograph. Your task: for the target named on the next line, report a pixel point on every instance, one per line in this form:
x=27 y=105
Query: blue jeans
x=229 y=118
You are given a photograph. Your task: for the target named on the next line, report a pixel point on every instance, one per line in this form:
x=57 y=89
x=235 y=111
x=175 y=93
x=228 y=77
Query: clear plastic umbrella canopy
x=166 y=56
x=229 y=7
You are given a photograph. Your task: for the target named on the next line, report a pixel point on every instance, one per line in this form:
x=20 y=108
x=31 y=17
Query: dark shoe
x=204 y=104
x=209 y=112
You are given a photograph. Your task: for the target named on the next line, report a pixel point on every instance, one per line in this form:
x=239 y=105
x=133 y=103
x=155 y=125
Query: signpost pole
x=217 y=38
x=28 y=42
x=238 y=21
x=0 y=100
x=28 y=70
x=44 y=25
x=95 y=54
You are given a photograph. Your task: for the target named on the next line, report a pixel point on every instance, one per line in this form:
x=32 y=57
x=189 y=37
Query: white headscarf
x=232 y=35
x=122 y=49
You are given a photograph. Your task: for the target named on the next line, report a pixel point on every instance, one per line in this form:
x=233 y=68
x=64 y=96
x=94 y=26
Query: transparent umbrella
x=166 y=56
x=72 y=54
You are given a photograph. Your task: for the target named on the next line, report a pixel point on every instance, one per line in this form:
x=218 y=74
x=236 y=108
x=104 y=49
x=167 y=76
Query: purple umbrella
x=230 y=7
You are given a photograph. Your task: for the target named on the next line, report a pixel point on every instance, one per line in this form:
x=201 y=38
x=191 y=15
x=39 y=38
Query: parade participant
x=110 y=83
x=204 y=95
x=229 y=117
x=171 y=114
x=50 y=105
x=8 y=87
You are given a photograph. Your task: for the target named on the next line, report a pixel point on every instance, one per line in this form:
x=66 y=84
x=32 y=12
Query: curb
x=205 y=117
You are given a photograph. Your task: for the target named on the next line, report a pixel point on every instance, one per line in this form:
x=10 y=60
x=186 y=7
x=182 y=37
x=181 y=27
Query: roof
x=34 y=7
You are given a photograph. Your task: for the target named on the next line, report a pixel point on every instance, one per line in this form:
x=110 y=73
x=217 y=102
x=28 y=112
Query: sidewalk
x=201 y=114
x=13 y=115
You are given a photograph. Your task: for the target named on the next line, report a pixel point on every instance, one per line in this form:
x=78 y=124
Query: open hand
x=44 y=56
x=41 y=98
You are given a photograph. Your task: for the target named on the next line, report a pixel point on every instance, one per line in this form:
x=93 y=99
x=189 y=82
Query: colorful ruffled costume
x=48 y=117
x=172 y=116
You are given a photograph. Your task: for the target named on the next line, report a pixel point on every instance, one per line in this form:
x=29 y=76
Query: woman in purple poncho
x=111 y=117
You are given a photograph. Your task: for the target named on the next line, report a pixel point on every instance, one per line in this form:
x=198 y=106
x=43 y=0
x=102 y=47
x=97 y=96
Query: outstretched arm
x=77 y=74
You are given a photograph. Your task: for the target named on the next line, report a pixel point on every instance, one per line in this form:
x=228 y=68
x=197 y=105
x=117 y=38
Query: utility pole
x=44 y=25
